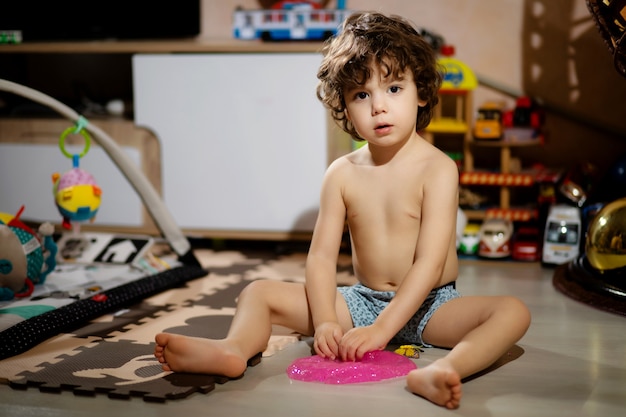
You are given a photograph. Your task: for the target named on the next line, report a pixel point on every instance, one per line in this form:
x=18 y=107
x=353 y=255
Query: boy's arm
x=439 y=209
x=321 y=265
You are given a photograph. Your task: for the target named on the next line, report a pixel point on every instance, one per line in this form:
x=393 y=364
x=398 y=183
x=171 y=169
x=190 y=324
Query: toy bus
x=562 y=235
x=289 y=20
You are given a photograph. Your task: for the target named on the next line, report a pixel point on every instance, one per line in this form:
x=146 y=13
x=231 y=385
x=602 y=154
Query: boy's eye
x=361 y=95
x=394 y=89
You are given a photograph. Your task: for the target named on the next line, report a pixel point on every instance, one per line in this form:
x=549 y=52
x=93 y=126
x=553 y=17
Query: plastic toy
x=289 y=20
x=470 y=239
x=452 y=116
x=526 y=244
x=488 y=125
x=470 y=199
x=525 y=114
x=522 y=123
x=456 y=74
x=76 y=194
x=495 y=238
x=562 y=235
x=26 y=257
x=410 y=351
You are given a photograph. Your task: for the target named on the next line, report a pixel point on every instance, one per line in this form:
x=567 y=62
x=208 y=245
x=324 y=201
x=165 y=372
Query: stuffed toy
x=26 y=256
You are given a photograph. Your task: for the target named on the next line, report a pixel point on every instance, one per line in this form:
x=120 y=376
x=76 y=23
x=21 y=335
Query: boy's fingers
x=346 y=352
x=323 y=349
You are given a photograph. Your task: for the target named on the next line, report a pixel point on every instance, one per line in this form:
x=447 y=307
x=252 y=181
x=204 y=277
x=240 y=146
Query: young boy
x=399 y=196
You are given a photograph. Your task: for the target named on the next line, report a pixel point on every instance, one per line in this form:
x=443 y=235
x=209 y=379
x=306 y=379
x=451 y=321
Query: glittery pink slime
x=375 y=366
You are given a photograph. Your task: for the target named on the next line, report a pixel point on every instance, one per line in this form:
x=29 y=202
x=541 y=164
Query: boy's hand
x=326 y=340
x=360 y=340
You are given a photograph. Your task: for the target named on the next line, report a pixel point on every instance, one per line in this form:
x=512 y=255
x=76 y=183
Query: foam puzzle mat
x=112 y=354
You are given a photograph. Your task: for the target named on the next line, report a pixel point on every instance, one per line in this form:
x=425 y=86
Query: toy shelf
x=505 y=178
x=505 y=181
x=516 y=214
x=458 y=122
x=496 y=179
x=448 y=125
x=159 y=46
x=512 y=214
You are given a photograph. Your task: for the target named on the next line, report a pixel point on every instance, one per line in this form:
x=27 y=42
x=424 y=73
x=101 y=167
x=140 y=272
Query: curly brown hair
x=390 y=42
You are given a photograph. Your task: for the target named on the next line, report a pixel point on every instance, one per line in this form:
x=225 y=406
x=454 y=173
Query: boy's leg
x=261 y=304
x=479 y=330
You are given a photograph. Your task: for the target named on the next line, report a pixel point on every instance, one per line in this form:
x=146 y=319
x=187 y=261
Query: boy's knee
x=254 y=288
x=260 y=288
x=518 y=310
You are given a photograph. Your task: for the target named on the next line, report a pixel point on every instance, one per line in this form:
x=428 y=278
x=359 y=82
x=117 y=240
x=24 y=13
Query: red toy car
x=526 y=244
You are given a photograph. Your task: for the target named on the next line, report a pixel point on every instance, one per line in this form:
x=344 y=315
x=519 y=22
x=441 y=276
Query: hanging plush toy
x=76 y=194
x=26 y=257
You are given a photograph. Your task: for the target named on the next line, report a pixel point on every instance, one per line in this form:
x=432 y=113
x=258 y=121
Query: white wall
x=548 y=49
x=485 y=33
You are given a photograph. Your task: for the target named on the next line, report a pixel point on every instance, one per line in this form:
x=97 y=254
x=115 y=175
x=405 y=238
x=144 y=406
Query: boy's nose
x=378 y=106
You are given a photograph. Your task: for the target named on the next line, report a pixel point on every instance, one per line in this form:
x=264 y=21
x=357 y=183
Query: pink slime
x=375 y=366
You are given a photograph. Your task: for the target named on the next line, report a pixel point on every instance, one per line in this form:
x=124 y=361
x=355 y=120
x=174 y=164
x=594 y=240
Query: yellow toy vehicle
x=489 y=122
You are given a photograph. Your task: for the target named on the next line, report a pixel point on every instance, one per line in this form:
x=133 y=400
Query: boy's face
x=384 y=110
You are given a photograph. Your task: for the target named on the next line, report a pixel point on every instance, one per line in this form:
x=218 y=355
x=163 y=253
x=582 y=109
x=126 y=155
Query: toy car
x=488 y=123
x=468 y=244
x=526 y=244
x=495 y=238
x=562 y=235
x=525 y=114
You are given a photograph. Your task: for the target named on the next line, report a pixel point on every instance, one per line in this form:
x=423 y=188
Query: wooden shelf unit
x=158 y=46
x=505 y=178
x=459 y=122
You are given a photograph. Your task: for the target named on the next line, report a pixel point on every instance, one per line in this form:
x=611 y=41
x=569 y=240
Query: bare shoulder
x=437 y=163
x=338 y=173
x=346 y=162
x=337 y=168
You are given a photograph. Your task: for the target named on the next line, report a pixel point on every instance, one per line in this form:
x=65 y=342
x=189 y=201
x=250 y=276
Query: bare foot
x=438 y=383
x=197 y=355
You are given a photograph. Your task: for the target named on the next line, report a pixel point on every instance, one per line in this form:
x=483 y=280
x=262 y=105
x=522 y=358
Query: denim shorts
x=366 y=304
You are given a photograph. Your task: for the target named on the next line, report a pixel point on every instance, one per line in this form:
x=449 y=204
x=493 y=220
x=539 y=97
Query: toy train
x=289 y=20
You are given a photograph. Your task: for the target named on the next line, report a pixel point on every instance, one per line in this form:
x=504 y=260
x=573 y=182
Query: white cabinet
x=243 y=138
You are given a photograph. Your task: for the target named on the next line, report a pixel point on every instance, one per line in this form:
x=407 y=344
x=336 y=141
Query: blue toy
x=26 y=257
x=290 y=20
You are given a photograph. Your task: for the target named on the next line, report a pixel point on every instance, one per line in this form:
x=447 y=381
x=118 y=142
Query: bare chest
x=385 y=199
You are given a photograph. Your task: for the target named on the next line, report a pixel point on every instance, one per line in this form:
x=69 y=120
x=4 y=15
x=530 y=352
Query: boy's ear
x=345 y=112
x=421 y=103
